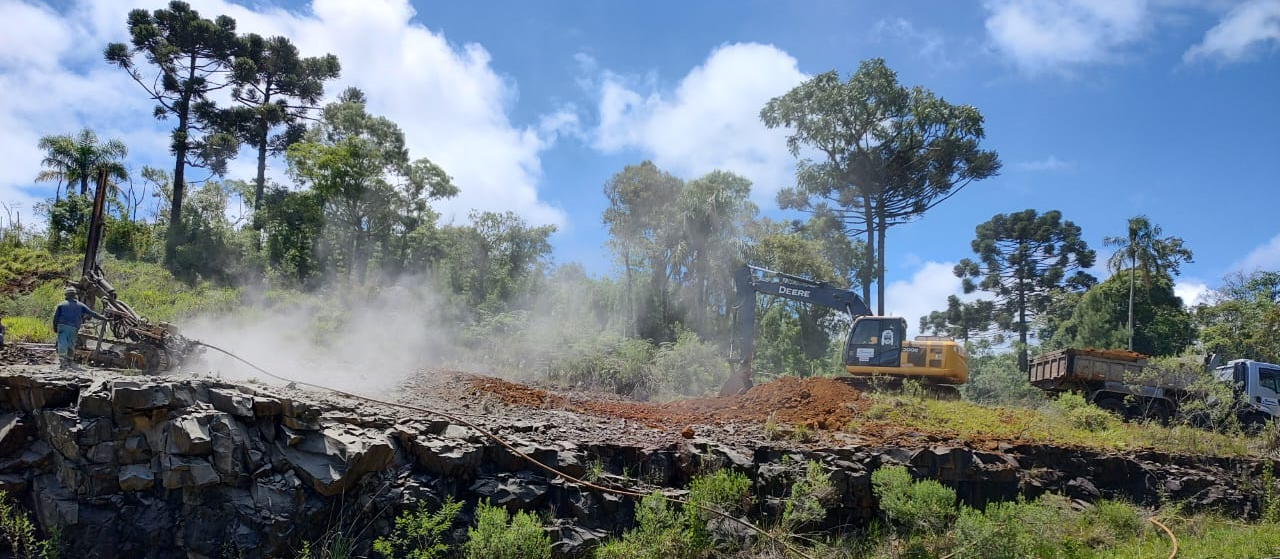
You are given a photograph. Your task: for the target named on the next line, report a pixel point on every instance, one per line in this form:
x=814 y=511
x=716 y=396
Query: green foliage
x=188 y=54
x=495 y=262
x=1242 y=317
x=274 y=87
x=1023 y=259
x=69 y=223
x=887 y=153
x=28 y=329
x=658 y=534
x=994 y=379
x=810 y=497
x=677 y=243
x=419 y=534
x=924 y=507
x=1162 y=326
x=1084 y=415
x=499 y=535
x=688 y=366
x=20 y=533
x=359 y=167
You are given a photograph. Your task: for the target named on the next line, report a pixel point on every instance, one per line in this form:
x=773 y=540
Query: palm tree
x=1144 y=250
x=81 y=159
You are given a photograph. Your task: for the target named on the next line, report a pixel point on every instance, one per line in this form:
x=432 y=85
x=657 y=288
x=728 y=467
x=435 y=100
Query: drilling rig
x=125 y=340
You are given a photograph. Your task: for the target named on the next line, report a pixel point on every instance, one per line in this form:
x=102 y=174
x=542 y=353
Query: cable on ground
x=549 y=469
x=1172 y=538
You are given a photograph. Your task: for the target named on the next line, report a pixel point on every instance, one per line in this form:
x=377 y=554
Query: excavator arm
x=748 y=284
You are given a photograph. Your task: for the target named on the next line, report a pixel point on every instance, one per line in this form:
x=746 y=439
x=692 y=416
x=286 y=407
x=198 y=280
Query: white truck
x=1123 y=382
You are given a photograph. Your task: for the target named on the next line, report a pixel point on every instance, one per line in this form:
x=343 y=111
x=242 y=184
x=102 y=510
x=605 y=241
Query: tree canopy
x=888 y=154
x=191 y=58
x=1023 y=258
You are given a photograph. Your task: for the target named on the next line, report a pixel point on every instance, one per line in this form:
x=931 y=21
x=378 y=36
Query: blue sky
x=1100 y=109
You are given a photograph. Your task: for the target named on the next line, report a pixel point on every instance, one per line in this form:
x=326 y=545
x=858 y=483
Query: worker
x=66 y=322
x=1 y=331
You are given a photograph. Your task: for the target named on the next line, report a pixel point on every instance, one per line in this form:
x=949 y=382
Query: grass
x=146 y=287
x=1051 y=424
x=28 y=329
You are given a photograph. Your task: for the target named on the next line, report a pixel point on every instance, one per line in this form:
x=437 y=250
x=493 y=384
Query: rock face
x=164 y=467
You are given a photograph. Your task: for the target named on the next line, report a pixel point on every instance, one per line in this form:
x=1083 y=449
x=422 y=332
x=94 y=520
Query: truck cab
x=1257 y=383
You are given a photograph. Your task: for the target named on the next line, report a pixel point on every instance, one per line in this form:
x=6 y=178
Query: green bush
x=810 y=496
x=29 y=329
x=20 y=533
x=726 y=491
x=689 y=366
x=658 y=534
x=995 y=533
x=1083 y=415
x=418 y=534
x=498 y=535
x=923 y=507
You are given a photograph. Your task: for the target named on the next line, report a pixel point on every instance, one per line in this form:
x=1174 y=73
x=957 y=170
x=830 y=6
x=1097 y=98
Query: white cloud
x=448 y=98
x=1246 y=29
x=926 y=291
x=1054 y=35
x=1051 y=163
x=1265 y=257
x=1192 y=292
x=711 y=119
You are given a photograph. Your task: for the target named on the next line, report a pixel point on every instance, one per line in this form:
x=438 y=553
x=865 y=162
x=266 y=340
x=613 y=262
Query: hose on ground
x=1174 y=539
x=549 y=469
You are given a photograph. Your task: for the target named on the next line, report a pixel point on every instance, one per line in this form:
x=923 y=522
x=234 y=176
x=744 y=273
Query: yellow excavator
x=876 y=352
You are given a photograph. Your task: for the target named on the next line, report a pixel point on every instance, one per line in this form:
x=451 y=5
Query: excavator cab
x=875 y=341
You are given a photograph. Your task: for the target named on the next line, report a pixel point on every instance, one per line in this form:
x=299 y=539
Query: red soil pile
x=821 y=403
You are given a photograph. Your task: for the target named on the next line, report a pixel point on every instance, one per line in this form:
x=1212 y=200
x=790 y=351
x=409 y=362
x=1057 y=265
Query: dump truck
x=1124 y=383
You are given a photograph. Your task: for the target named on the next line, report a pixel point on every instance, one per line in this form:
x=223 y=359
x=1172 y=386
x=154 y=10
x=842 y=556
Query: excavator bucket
x=739 y=381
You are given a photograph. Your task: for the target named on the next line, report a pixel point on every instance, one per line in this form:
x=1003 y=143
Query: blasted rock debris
x=177 y=466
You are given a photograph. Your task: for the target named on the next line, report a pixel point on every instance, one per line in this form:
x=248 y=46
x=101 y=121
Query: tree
x=1242 y=318
x=359 y=166
x=275 y=87
x=641 y=208
x=1144 y=249
x=1023 y=258
x=1097 y=321
x=888 y=153
x=81 y=158
x=191 y=57
x=713 y=210
x=959 y=320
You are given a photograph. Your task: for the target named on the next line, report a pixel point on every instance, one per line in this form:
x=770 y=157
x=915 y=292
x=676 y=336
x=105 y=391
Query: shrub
x=924 y=507
x=20 y=533
x=418 y=534
x=996 y=533
x=1083 y=415
x=498 y=535
x=658 y=534
x=725 y=491
x=810 y=496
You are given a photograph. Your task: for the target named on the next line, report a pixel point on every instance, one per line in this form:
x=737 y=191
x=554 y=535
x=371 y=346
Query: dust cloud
x=365 y=341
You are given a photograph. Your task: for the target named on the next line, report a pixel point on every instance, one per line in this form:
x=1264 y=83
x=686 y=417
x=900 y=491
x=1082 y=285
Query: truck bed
x=1067 y=369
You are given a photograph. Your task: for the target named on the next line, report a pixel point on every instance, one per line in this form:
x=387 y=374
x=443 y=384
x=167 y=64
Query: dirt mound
x=821 y=403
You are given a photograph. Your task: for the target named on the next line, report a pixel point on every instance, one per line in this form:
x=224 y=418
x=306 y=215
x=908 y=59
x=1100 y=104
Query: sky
x=1102 y=109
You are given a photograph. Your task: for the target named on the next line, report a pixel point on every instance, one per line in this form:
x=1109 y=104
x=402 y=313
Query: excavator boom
x=875 y=345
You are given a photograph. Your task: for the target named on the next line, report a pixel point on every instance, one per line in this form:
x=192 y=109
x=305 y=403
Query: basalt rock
x=160 y=467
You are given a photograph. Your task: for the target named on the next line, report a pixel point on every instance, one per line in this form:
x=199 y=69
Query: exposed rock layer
x=180 y=467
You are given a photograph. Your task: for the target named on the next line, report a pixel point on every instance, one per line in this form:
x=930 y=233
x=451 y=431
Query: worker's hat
x=69 y=291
